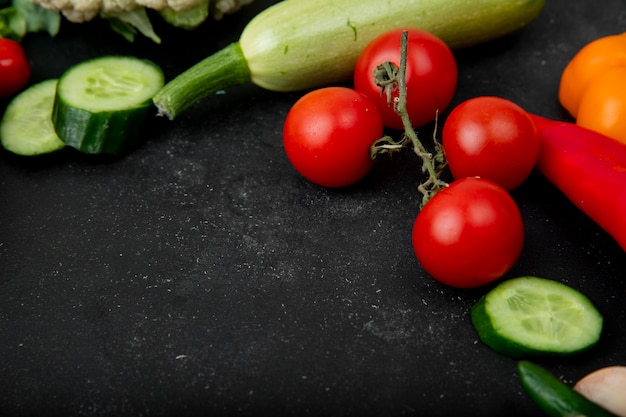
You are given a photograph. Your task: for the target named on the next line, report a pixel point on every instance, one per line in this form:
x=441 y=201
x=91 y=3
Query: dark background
x=200 y=275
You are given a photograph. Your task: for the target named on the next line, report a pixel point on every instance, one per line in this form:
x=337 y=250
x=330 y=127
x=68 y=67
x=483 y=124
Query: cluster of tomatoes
x=470 y=232
x=14 y=67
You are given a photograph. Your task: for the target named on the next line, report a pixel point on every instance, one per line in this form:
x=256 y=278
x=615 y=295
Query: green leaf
x=127 y=23
x=37 y=17
x=123 y=28
x=12 y=24
x=189 y=18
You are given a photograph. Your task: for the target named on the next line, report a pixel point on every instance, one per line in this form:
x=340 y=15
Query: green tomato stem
x=433 y=184
x=223 y=69
x=388 y=75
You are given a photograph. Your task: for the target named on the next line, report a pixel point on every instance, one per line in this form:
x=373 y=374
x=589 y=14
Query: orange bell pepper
x=593 y=86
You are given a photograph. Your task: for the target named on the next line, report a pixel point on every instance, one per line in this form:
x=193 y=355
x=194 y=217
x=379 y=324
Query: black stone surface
x=200 y=275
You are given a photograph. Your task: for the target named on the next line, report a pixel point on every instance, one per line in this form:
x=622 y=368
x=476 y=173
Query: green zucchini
x=531 y=316
x=101 y=103
x=300 y=44
x=554 y=397
x=26 y=128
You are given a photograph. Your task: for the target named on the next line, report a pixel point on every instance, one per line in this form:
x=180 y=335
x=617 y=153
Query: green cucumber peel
x=530 y=316
x=100 y=104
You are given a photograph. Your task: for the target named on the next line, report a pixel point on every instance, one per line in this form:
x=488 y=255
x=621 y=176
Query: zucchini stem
x=226 y=68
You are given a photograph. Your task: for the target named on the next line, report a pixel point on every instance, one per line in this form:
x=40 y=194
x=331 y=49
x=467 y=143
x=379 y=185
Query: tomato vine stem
x=389 y=77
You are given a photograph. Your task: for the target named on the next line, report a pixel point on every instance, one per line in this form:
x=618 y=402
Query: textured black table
x=200 y=275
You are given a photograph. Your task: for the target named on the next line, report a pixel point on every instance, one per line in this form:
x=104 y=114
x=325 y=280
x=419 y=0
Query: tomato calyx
x=389 y=77
x=386 y=76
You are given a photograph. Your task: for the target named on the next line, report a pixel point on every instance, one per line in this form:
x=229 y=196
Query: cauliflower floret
x=78 y=16
x=79 y=11
x=180 y=5
x=221 y=7
x=153 y=4
x=115 y=6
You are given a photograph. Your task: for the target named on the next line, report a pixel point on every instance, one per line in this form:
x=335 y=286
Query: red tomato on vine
x=469 y=234
x=431 y=75
x=492 y=138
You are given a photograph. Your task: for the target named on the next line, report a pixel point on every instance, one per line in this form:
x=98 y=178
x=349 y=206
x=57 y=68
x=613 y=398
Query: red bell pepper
x=589 y=168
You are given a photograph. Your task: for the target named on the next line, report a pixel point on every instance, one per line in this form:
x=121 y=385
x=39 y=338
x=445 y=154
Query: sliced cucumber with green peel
x=26 y=126
x=554 y=397
x=531 y=316
x=101 y=103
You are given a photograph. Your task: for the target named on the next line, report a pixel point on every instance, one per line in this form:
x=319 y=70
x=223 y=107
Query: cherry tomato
x=469 y=234
x=328 y=133
x=431 y=75
x=14 y=67
x=493 y=138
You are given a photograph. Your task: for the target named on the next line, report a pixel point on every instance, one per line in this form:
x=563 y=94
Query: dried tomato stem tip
x=388 y=77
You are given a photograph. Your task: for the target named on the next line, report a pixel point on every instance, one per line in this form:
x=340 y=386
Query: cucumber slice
x=554 y=397
x=531 y=316
x=26 y=127
x=101 y=103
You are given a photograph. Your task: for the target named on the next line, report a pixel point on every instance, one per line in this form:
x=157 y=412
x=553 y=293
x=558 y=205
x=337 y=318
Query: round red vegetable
x=469 y=234
x=492 y=138
x=14 y=67
x=431 y=75
x=328 y=133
